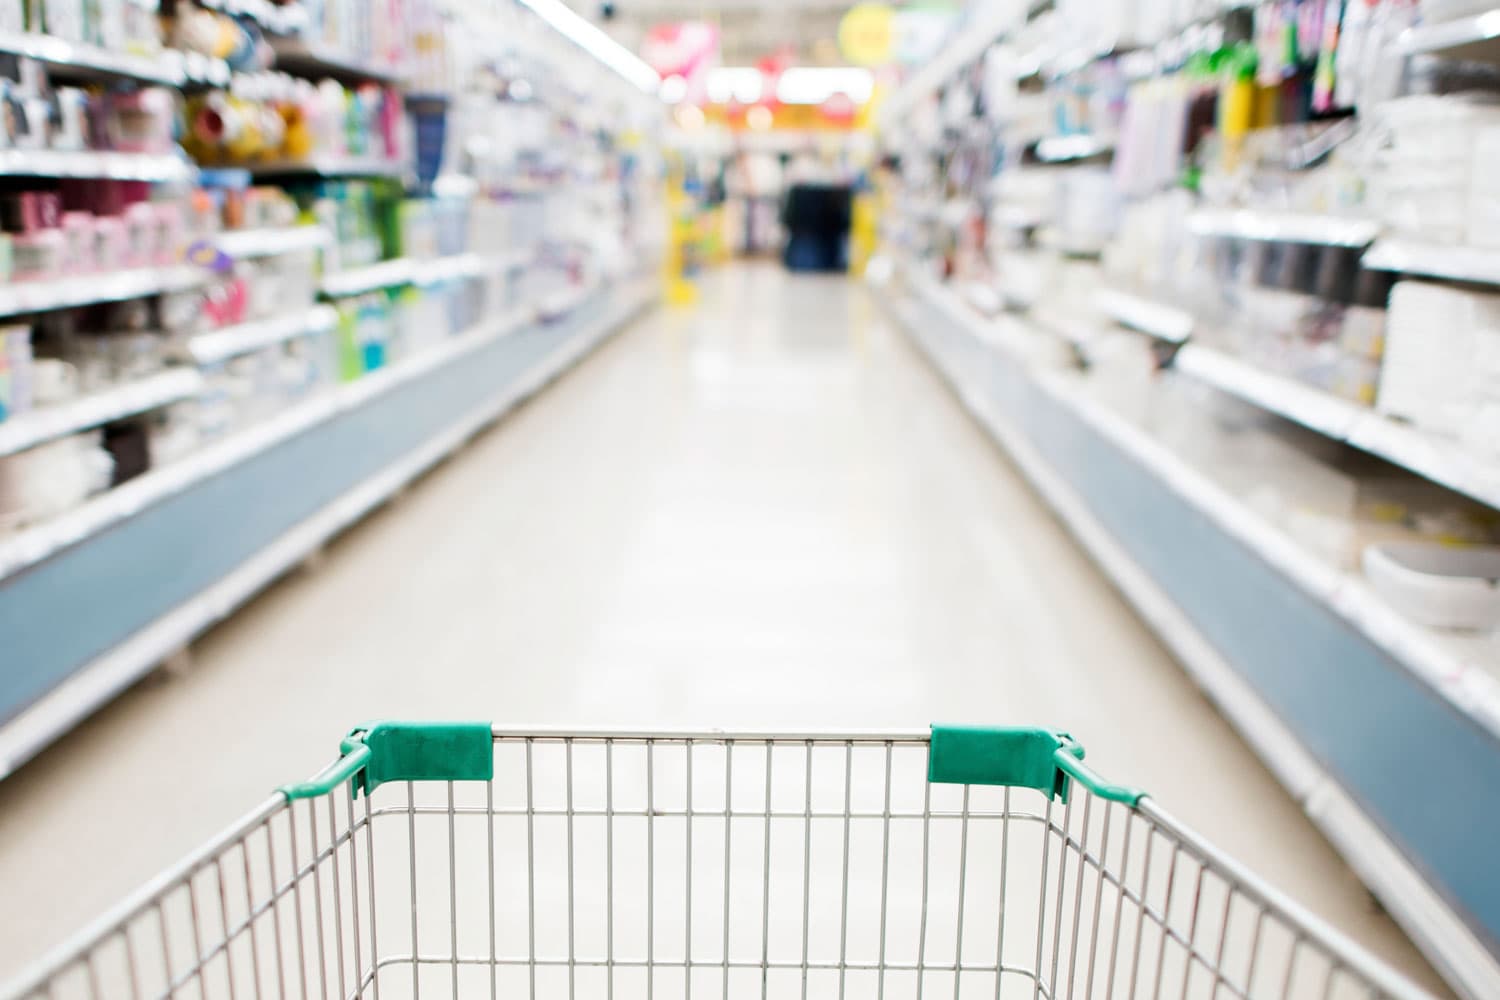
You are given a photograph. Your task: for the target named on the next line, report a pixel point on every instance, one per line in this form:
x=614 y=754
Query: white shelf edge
x=268 y=242
x=1444 y=461
x=294 y=55
x=1402 y=889
x=1434 y=260
x=83 y=289
x=166 y=67
x=95 y=164
x=367 y=278
x=25 y=735
x=560 y=303
x=1461 y=31
x=27 y=430
x=1292 y=227
x=1157 y=319
x=329 y=166
x=31 y=545
x=217 y=345
x=957 y=50
x=464 y=265
x=1068 y=148
x=412 y=271
x=1302 y=404
x=1382 y=625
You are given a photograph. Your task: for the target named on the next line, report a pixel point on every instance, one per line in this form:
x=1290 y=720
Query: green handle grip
x=1090 y=779
x=335 y=774
x=378 y=752
x=1016 y=757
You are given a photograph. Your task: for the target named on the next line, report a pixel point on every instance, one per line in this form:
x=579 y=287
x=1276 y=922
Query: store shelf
x=357 y=280
x=301 y=58
x=560 y=303
x=1435 y=260
x=1072 y=148
x=464 y=265
x=1302 y=404
x=1320 y=648
x=83 y=289
x=329 y=166
x=90 y=62
x=990 y=22
x=269 y=242
x=1079 y=332
x=1475 y=38
x=95 y=165
x=1157 y=319
x=39 y=426
x=1444 y=461
x=328 y=461
x=1017 y=217
x=210 y=348
x=281 y=19
x=1285 y=227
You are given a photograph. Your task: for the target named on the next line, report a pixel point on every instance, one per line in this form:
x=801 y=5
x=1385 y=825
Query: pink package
x=78 y=247
x=111 y=244
x=140 y=234
x=171 y=232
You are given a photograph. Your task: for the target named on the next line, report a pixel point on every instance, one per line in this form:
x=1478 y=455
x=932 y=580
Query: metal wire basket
x=461 y=860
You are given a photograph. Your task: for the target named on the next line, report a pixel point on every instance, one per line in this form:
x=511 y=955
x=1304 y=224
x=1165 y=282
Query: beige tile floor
x=764 y=511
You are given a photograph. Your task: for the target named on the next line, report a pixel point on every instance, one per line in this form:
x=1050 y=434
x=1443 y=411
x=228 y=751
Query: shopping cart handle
x=1016 y=757
x=378 y=752
x=335 y=774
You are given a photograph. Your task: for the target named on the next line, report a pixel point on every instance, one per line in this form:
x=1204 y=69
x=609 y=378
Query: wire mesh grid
x=695 y=868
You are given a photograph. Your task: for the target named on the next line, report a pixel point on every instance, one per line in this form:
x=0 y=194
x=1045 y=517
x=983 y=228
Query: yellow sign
x=867 y=34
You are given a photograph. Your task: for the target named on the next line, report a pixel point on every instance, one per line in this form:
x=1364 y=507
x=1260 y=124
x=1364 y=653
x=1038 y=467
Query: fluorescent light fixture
x=596 y=43
x=815 y=84
x=739 y=83
x=673 y=89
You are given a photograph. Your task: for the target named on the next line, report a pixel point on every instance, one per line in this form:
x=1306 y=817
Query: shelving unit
x=269 y=242
x=1295 y=647
x=1476 y=38
x=96 y=165
x=51 y=422
x=93 y=63
x=1192 y=557
x=301 y=59
x=328 y=166
x=216 y=346
x=1159 y=320
x=1444 y=461
x=404 y=419
x=1072 y=148
x=368 y=278
x=1435 y=260
x=1286 y=227
x=84 y=289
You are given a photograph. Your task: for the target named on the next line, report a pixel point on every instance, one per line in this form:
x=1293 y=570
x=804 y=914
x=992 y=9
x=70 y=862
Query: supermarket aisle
x=763 y=512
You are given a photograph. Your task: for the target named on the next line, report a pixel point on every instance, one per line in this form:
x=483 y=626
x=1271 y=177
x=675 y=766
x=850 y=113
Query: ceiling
x=748 y=29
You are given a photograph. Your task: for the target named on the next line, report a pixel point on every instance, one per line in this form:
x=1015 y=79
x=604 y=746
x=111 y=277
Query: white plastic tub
x=1443 y=586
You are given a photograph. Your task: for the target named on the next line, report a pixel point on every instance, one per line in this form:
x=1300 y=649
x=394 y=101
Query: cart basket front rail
x=469 y=860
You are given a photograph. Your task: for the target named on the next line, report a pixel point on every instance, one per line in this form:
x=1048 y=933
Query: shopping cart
x=440 y=860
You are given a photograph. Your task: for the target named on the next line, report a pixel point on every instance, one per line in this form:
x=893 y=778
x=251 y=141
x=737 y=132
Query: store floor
x=764 y=511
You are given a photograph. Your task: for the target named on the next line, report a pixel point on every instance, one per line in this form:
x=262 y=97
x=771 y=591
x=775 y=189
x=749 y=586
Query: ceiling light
x=738 y=83
x=815 y=84
x=673 y=89
x=596 y=43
